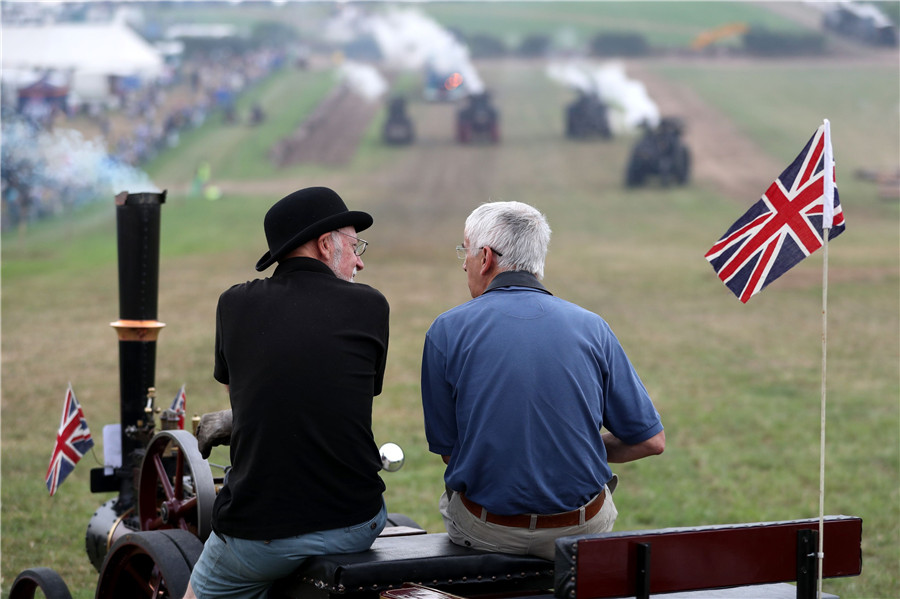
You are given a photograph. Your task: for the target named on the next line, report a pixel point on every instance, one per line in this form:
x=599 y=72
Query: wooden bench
x=617 y=564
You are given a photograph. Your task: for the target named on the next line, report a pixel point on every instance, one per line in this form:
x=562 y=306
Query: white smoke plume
x=346 y=25
x=49 y=172
x=363 y=79
x=71 y=157
x=408 y=40
x=628 y=100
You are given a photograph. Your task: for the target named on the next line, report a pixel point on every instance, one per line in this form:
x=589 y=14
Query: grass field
x=662 y=23
x=738 y=386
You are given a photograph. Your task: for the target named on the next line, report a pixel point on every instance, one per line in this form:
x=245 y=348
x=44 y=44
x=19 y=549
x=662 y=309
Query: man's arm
x=619 y=452
x=438 y=405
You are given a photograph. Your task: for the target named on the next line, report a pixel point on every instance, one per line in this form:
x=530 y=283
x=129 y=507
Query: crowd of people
x=118 y=135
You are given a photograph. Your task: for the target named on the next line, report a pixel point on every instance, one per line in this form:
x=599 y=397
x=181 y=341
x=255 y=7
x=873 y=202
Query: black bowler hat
x=304 y=215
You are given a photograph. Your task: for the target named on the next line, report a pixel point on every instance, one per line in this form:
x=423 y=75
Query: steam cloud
x=407 y=40
x=410 y=40
x=59 y=170
x=363 y=79
x=628 y=100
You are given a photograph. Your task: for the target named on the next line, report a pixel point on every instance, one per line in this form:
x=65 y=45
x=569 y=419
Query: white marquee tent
x=91 y=53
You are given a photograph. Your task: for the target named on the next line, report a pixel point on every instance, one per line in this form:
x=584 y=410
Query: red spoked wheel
x=149 y=564
x=176 y=488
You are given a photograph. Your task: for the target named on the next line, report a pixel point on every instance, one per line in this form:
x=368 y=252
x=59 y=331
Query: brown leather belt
x=572 y=518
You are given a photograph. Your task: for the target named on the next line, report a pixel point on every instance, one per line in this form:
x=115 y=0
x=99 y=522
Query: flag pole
x=821 y=555
x=827 y=222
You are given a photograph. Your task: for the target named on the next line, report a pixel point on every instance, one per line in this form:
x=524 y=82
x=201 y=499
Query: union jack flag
x=179 y=405
x=72 y=441
x=785 y=226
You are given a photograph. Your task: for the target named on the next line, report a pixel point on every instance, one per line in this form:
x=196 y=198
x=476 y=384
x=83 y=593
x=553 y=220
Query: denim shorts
x=235 y=568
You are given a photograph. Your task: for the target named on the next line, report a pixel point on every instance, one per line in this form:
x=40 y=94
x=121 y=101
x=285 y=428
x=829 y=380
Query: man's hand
x=214 y=429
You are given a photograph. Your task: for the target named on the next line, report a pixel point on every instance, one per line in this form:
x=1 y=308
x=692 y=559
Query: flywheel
x=176 y=488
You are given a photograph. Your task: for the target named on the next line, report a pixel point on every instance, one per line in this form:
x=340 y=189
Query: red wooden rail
x=686 y=559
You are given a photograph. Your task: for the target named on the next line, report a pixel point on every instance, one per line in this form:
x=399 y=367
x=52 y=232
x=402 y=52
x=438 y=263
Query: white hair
x=517 y=231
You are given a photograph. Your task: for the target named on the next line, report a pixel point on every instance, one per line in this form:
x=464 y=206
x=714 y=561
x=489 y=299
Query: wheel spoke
x=179 y=473
x=183 y=508
x=156 y=584
x=163 y=476
x=129 y=570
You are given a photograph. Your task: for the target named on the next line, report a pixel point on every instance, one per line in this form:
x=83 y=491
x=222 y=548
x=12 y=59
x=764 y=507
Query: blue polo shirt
x=516 y=386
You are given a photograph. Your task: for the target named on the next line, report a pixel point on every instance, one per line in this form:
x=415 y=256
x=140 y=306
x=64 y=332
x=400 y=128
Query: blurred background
x=642 y=129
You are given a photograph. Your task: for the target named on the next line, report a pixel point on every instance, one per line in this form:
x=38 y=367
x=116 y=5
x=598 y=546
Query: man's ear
x=325 y=245
x=488 y=261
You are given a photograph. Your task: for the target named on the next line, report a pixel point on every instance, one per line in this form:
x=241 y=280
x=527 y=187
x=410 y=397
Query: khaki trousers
x=468 y=530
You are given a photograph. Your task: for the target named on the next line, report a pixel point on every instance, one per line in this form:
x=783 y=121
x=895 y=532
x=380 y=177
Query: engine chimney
x=137 y=222
x=137 y=229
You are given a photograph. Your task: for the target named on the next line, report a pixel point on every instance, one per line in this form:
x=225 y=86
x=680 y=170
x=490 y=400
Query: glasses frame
x=361 y=244
x=462 y=251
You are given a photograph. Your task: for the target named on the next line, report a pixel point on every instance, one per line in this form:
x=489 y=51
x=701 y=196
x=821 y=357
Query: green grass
x=737 y=385
x=864 y=126
x=240 y=151
x=672 y=24
x=306 y=17
x=663 y=23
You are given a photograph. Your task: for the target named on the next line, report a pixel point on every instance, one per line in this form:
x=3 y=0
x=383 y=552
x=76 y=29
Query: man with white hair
x=516 y=387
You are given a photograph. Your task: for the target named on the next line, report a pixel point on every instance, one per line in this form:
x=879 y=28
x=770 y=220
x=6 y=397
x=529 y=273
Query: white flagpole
x=827 y=222
x=821 y=553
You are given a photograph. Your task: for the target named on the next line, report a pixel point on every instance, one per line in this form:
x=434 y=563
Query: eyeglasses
x=462 y=250
x=361 y=244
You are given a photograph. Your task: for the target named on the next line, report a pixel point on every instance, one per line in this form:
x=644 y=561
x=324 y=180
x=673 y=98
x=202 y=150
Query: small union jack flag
x=179 y=405
x=785 y=226
x=72 y=441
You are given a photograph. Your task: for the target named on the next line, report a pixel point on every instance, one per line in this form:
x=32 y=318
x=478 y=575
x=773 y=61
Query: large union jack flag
x=72 y=441
x=784 y=226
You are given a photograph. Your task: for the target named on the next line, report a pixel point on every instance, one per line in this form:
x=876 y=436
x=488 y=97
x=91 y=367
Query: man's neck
x=515 y=278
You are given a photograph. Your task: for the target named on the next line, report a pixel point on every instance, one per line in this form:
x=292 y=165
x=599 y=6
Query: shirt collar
x=302 y=263
x=516 y=278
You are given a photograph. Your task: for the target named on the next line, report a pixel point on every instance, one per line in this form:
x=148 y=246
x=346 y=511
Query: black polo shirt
x=303 y=353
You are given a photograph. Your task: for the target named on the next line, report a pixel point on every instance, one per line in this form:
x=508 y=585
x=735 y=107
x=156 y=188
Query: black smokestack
x=138 y=227
x=137 y=221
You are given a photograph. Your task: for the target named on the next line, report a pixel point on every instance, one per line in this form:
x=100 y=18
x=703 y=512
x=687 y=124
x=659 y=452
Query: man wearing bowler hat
x=302 y=354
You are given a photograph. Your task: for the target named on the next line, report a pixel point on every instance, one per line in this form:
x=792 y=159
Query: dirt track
x=332 y=134
x=437 y=169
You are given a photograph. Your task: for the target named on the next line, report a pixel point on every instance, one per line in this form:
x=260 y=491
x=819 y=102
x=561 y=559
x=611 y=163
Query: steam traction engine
x=587 y=117
x=660 y=153
x=398 y=128
x=478 y=121
x=145 y=541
